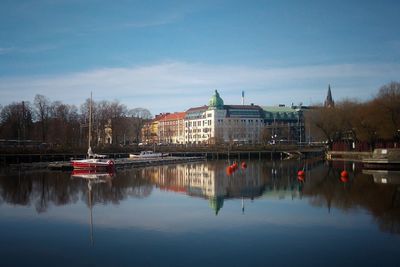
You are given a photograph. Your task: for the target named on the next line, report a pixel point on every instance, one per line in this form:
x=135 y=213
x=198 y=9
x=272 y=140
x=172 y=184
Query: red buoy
x=301 y=173
x=344 y=174
x=244 y=165
x=344 y=179
x=229 y=170
x=235 y=166
x=300 y=178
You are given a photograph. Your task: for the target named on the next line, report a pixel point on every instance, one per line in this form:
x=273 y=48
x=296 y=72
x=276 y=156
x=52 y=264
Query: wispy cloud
x=28 y=49
x=5 y=50
x=173 y=86
x=127 y=24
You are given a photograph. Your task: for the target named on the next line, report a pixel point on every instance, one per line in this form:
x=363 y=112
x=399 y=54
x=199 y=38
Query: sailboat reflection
x=92 y=178
x=100 y=177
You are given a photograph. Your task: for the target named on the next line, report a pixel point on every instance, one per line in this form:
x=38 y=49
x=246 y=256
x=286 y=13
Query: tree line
x=66 y=126
x=54 y=123
x=371 y=122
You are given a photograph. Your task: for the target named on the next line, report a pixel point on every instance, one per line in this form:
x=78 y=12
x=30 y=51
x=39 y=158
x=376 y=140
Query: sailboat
x=93 y=161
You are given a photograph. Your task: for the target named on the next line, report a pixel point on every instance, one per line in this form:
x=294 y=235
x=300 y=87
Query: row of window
x=237 y=121
x=198 y=123
x=197 y=136
x=205 y=130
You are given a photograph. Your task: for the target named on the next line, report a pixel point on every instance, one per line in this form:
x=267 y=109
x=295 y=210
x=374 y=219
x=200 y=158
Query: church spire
x=329 y=103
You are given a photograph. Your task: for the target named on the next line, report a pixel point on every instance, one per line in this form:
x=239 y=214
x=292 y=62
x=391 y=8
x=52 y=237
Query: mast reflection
x=92 y=177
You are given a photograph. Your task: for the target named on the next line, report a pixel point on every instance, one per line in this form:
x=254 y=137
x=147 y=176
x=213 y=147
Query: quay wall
x=7 y=159
x=347 y=155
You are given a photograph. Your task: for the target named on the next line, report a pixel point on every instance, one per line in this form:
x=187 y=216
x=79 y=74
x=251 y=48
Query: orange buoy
x=244 y=165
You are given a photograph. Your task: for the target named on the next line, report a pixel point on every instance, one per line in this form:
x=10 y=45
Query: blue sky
x=172 y=55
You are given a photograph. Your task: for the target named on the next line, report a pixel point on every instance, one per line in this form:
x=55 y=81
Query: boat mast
x=90 y=120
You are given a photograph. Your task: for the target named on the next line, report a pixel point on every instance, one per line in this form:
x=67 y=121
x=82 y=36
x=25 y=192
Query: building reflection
x=384 y=176
x=209 y=181
x=378 y=192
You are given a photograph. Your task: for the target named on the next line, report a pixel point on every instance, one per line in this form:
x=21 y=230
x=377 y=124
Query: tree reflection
x=321 y=186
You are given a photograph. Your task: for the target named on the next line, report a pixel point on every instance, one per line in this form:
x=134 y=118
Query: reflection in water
x=322 y=185
x=209 y=181
x=92 y=177
x=384 y=176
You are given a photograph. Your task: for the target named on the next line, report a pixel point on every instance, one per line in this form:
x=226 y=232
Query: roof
x=253 y=107
x=216 y=101
x=159 y=117
x=244 y=111
x=281 y=113
x=174 y=116
x=197 y=109
x=279 y=109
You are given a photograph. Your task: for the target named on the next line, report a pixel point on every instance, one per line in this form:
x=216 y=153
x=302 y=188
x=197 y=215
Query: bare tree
x=388 y=99
x=326 y=121
x=42 y=105
x=16 y=121
x=367 y=124
x=139 y=117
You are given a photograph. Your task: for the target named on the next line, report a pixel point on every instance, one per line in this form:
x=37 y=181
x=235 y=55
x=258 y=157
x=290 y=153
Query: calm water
x=197 y=215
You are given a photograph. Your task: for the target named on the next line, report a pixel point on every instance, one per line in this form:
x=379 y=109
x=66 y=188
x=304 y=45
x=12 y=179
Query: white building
x=218 y=123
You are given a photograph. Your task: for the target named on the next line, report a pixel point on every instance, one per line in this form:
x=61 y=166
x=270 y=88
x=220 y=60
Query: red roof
x=174 y=116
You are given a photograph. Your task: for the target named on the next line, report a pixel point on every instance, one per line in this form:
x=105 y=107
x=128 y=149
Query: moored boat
x=148 y=154
x=93 y=161
x=93 y=164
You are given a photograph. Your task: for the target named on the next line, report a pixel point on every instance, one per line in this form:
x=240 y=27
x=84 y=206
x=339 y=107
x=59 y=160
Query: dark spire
x=329 y=100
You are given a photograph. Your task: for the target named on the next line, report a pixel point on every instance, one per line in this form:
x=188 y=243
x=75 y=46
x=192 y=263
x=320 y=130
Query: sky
x=168 y=56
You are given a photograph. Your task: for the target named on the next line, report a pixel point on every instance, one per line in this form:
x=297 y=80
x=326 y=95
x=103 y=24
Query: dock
x=385 y=158
x=128 y=162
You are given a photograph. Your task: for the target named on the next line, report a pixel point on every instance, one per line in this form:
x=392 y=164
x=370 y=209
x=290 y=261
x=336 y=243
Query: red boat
x=93 y=164
x=94 y=161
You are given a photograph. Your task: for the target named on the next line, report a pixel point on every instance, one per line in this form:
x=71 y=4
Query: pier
x=119 y=163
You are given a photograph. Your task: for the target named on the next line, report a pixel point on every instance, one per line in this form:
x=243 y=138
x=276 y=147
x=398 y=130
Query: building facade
x=171 y=128
x=283 y=124
x=150 y=130
x=219 y=123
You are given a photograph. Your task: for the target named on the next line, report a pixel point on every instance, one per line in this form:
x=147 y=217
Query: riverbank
x=347 y=155
x=276 y=152
x=119 y=163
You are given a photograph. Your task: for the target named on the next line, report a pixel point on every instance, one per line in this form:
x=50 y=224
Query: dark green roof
x=216 y=101
x=281 y=113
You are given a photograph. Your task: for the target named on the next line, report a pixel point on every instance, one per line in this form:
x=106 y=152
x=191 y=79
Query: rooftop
x=173 y=116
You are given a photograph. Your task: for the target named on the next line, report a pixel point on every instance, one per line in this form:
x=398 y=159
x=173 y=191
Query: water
x=197 y=215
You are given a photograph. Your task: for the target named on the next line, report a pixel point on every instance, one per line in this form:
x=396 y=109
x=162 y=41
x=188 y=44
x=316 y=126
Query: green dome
x=216 y=101
x=216 y=203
